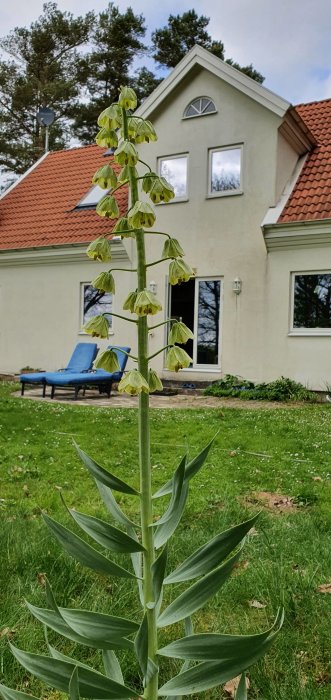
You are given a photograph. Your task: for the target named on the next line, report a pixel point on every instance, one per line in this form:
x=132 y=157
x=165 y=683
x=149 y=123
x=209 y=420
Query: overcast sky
x=288 y=41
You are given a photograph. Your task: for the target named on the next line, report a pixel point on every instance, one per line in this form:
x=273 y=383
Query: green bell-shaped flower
x=177 y=359
x=133 y=123
x=161 y=191
x=127 y=98
x=122 y=227
x=107 y=360
x=111 y=117
x=108 y=207
x=105 y=282
x=126 y=154
x=172 y=249
x=107 y=138
x=105 y=177
x=130 y=302
x=97 y=327
x=179 y=271
x=141 y=215
x=179 y=333
x=148 y=180
x=154 y=382
x=99 y=249
x=124 y=175
x=145 y=132
x=146 y=303
x=133 y=383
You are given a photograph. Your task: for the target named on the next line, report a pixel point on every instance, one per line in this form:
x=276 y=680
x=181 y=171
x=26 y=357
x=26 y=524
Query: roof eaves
x=201 y=57
x=296 y=132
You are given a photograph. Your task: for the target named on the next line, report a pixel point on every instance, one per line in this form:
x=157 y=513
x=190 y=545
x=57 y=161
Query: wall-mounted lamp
x=237 y=285
x=153 y=287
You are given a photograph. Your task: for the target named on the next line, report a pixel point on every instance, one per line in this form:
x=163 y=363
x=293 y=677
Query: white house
x=252 y=176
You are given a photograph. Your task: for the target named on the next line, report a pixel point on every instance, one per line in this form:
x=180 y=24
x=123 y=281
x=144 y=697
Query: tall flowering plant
x=208 y=659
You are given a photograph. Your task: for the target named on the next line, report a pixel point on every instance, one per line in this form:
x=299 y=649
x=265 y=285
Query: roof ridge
x=74 y=148
x=314 y=102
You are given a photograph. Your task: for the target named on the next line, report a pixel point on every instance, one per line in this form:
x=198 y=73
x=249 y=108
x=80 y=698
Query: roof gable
x=198 y=56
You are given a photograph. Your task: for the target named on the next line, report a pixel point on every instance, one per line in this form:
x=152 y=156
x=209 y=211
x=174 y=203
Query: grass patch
x=281 y=451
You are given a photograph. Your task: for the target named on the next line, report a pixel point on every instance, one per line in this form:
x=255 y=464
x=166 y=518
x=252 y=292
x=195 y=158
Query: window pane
x=92 y=197
x=312 y=301
x=175 y=171
x=225 y=170
x=96 y=302
x=208 y=322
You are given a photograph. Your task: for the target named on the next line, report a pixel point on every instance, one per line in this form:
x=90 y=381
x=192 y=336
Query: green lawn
x=283 y=563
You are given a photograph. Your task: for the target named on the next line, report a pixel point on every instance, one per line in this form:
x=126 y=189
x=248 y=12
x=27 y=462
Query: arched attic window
x=199 y=107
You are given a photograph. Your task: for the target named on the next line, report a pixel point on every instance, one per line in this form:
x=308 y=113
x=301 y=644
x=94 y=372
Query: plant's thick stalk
x=151 y=689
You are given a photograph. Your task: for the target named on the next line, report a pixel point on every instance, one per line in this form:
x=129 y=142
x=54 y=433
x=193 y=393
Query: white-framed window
x=91 y=198
x=225 y=171
x=175 y=170
x=94 y=302
x=198 y=303
x=311 y=303
x=199 y=108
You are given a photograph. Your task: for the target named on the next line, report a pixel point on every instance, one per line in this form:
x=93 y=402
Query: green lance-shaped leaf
x=97 y=626
x=166 y=525
x=105 y=534
x=112 y=666
x=141 y=645
x=55 y=654
x=191 y=469
x=9 y=694
x=112 y=505
x=209 y=674
x=57 y=674
x=197 y=595
x=214 y=647
x=86 y=555
x=54 y=621
x=73 y=685
x=103 y=475
x=241 y=693
x=211 y=554
x=137 y=563
x=158 y=571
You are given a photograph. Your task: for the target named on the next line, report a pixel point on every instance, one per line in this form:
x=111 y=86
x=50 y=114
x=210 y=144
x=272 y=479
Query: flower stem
x=151 y=689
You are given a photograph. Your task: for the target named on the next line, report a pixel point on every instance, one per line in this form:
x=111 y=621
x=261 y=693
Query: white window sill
x=176 y=200
x=311 y=332
x=230 y=193
x=203 y=368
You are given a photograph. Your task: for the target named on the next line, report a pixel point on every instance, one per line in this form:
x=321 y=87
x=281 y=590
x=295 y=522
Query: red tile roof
x=311 y=197
x=40 y=210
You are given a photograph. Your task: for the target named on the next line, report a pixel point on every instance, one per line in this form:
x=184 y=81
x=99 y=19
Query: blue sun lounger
x=81 y=361
x=99 y=377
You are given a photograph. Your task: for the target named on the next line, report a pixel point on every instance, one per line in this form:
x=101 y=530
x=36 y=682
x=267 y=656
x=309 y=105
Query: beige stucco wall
x=305 y=358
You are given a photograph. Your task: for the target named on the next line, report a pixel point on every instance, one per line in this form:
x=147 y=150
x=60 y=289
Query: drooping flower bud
x=126 y=154
x=105 y=177
x=105 y=282
x=108 y=207
x=177 y=359
x=145 y=132
x=161 y=191
x=125 y=174
x=179 y=271
x=111 y=117
x=146 y=303
x=122 y=227
x=172 y=249
x=108 y=361
x=130 y=301
x=127 y=98
x=97 y=327
x=107 y=138
x=132 y=126
x=148 y=180
x=99 y=249
x=154 y=382
x=133 y=383
x=179 y=333
x=141 y=215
